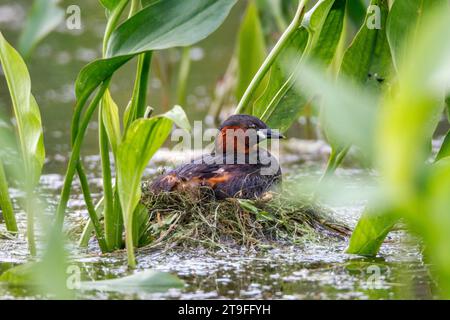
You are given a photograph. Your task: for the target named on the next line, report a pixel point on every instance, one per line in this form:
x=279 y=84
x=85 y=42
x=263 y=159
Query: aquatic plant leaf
x=411 y=115
x=111 y=121
x=45 y=16
x=357 y=12
x=148 y=281
x=26 y=112
x=352 y=108
x=444 y=151
x=251 y=49
x=406 y=15
x=142 y=139
x=370 y=232
x=433 y=223
x=368 y=59
x=5 y=202
x=21 y=275
x=166 y=24
x=282 y=101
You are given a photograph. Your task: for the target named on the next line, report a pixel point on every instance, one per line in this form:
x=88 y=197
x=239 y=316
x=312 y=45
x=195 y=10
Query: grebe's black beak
x=269 y=134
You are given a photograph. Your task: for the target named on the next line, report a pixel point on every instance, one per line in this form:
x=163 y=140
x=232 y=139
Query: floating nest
x=177 y=219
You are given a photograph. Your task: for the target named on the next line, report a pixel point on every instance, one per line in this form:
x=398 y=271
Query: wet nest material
x=177 y=219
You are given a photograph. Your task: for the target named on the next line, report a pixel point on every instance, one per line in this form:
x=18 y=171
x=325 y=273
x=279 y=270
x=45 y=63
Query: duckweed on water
x=177 y=219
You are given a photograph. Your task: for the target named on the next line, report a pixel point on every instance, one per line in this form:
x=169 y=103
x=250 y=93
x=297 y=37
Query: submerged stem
x=270 y=59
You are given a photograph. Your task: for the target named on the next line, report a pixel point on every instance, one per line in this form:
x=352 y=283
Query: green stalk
x=139 y=97
x=113 y=229
x=89 y=227
x=334 y=161
x=183 y=74
x=135 y=5
x=129 y=241
x=29 y=205
x=270 y=59
x=74 y=158
x=5 y=202
x=112 y=23
x=91 y=209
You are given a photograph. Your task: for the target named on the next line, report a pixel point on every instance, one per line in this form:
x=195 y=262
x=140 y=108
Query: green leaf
x=368 y=59
x=21 y=275
x=45 y=16
x=281 y=103
x=110 y=115
x=142 y=139
x=406 y=15
x=148 y=281
x=5 y=202
x=410 y=114
x=444 y=151
x=351 y=110
x=370 y=232
x=166 y=24
x=251 y=48
x=26 y=112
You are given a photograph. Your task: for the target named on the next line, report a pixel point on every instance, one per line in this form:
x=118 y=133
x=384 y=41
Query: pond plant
x=380 y=91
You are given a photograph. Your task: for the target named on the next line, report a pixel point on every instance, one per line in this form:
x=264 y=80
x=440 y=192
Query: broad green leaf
x=148 y=281
x=370 y=232
x=251 y=49
x=356 y=11
x=406 y=15
x=410 y=115
x=281 y=103
x=142 y=139
x=45 y=16
x=26 y=112
x=166 y=24
x=368 y=59
x=110 y=115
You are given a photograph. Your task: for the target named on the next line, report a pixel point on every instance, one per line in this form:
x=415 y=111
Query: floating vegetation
x=179 y=219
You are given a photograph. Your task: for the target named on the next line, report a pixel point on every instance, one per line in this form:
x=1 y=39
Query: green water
x=316 y=270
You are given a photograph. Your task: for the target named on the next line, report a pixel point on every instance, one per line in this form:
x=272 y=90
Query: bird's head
x=240 y=133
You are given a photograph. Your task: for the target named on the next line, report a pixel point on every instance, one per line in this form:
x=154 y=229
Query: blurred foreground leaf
x=148 y=281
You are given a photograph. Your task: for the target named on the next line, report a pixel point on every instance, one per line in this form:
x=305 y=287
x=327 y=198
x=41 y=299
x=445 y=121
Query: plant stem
x=112 y=23
x=183 y=75
x=139 y=97
x=129 y=239
x=270 y=59
x=108 y=210
x=30 y=222
x=91 y=209
x=89 y=227
x=5 y=202
x=74 y=158
x=135 y=5
x=335 y=159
